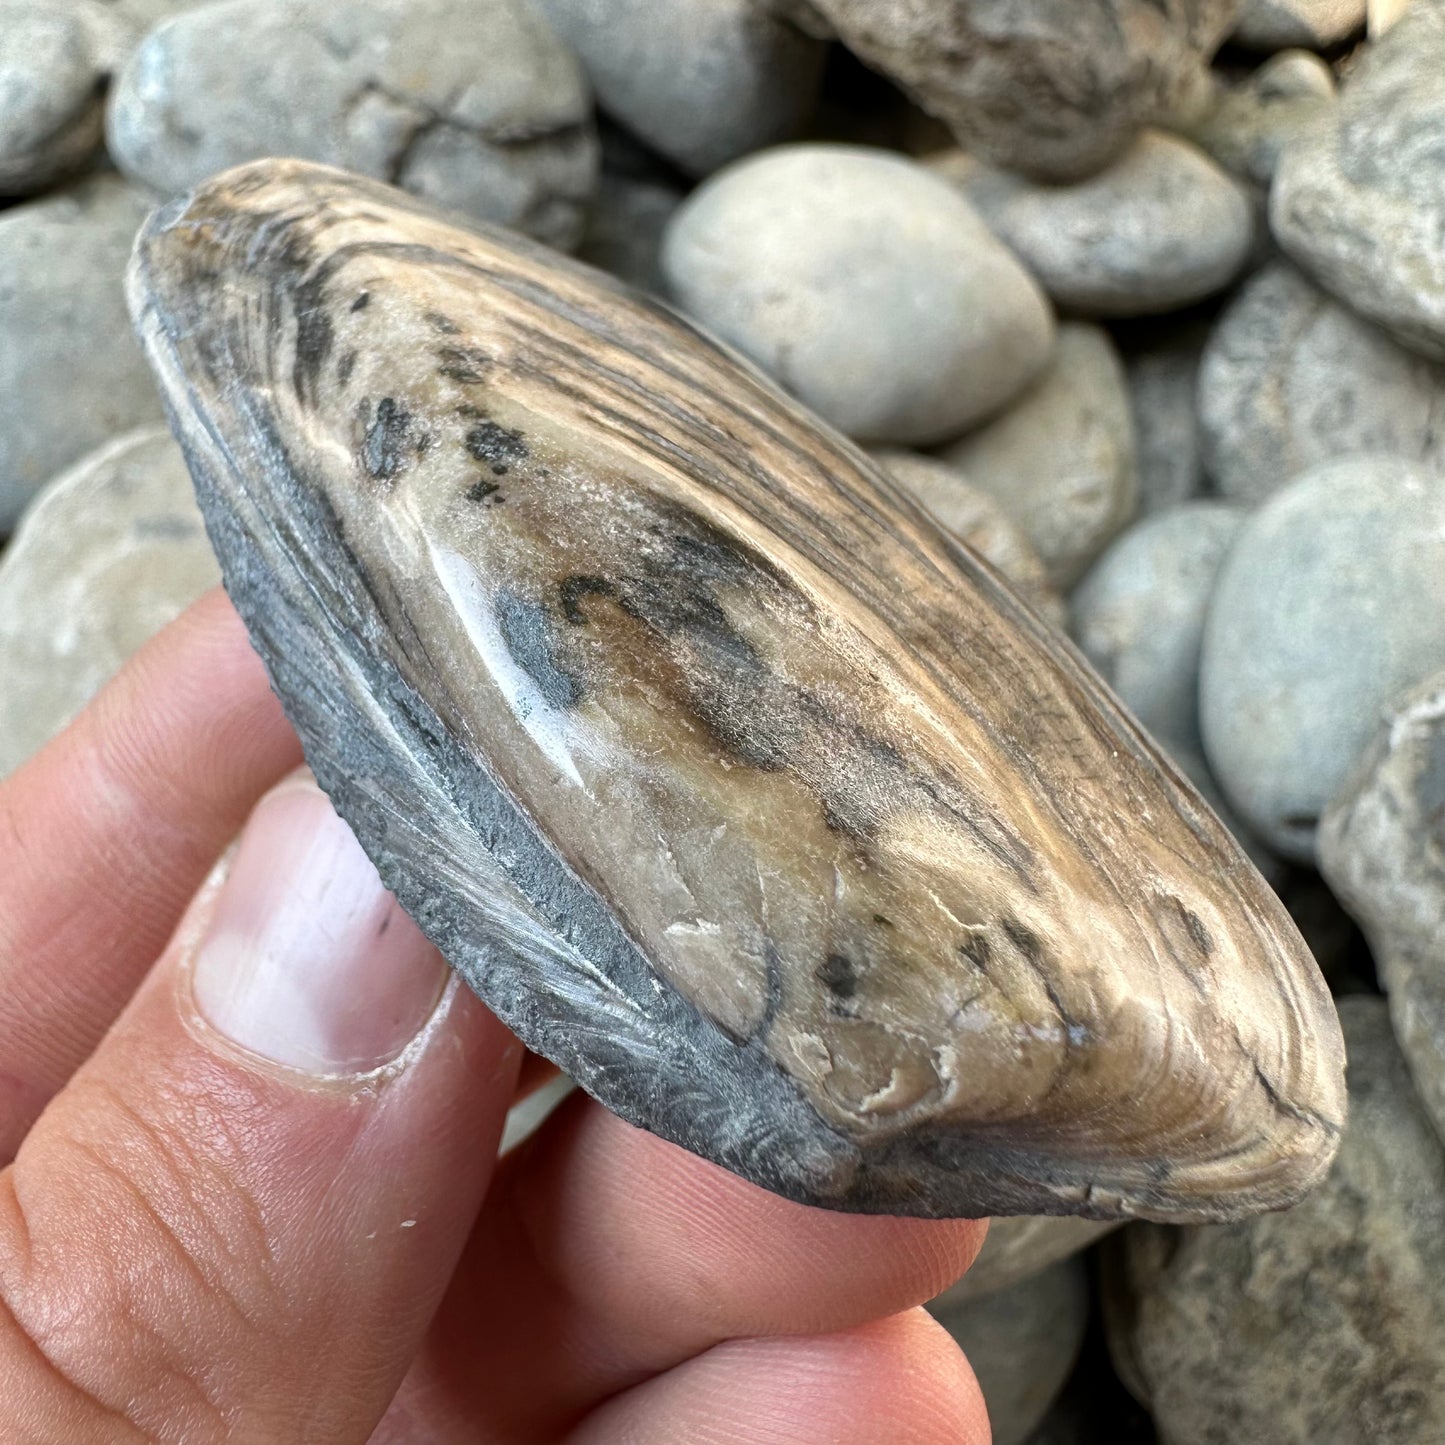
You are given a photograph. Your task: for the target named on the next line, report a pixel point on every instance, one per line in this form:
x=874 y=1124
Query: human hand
x=254 y=1193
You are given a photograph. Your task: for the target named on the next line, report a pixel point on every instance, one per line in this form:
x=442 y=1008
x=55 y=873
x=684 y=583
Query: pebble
x=1163 y=377
x=1360 y=202
x=1162 y=227
x=625 y=230
x=54 y=61
x=1316 y=24
x=701 y=81
x=1020 y=1246
x=1048 y=87
x=1022 y=1343
x=1291 y=378
x=1382 y=849
x=1139 y=614
x=1060 y=462
x=71 y=374
x=475 y=105
x=1324 y=1325
x=864 y=285
x=110 y=552
x=1249 y=125
x=1330 y=603
x=975 y=517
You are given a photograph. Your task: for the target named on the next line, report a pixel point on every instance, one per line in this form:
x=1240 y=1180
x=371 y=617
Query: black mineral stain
x=362 y=299
x=1198 y=933
x=839 y=974
x=345 y=367
x=444 y=324
x=466 y=364
x=528 y=633
x=497 y=446
x=485 y=493
x=573 y=589
x=315 y=335
x=383 y=452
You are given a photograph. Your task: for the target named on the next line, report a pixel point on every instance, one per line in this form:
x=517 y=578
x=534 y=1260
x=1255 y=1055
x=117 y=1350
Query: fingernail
x=306 y=959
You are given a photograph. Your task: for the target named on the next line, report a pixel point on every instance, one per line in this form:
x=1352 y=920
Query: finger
x=106 y=834
x=621 y=1256
x=899 y=1380
x=236 y=1220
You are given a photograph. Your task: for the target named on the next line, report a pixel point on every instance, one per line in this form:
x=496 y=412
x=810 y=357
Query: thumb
x=237 y=1219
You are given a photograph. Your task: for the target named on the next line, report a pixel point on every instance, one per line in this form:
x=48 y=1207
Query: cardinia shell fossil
x=732 y=782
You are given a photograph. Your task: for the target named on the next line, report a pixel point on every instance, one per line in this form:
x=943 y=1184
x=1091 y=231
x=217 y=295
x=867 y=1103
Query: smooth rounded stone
x=863 y=284
x=1360 y=201
x=1382 y=850
x=1314 y=24
x=715 y=764
x=1051 y=88
x=110 y=552
x=1163 y=379
x=1022 y=1343
x=625 y=229
x=1291 y=378
x=1138 y=615
x=1060 y=461
x=1160 y=228
x=54 y=60
x=701 y=81
x=1248 y=126
x=1329 y=605
x=1321 y=1326
x=1019 y=1248
x=978 y=519
x=475 y=105
x=71 y=375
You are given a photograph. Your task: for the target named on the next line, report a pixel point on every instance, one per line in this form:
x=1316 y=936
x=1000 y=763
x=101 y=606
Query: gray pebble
x=111 y=551
x=1382 y=848
x=1291 y=378
x=1329 y=605
x=1163 y=377
x=1022 y=1343
x=1139 y=613
x=865 y=285
x=701 y=81
x=1324 y=1325
x=978 y=519
x=1360 y=202
x=1049 y=87
x=475 y=105
x=1279 y=24
x=1019 y=1247
x=625 y=229
x=71 y=374
x=1160 y=228
x=1060 y=462
x=54 y=60
x=1248 y=126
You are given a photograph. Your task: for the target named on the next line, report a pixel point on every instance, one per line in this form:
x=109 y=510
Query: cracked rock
x=1382 y=849
x=475 y=105
x=1291 y=377
x=1321 y=1326
x=111 y=551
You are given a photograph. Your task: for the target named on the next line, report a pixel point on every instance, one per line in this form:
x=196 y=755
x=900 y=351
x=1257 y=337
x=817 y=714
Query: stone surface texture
x=1022 y=1342
x=1382 y=849
x=1320 y=1326
x=475 y=105
x=1360 y=202
x=1139 y=613
x=1330 y=604
x=71 y=374
x=1291 y=378
x=1060 y=461
x=863 y=284
x=1163 y=378
x=701 y=81
x=1052 y=88
x=111 y=551
x=1159 y=229
x=712 y=762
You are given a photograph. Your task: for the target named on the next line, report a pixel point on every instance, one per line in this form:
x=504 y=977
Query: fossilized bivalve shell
x=726 y=777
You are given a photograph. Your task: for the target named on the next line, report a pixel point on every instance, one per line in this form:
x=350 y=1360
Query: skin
x=191 y=1240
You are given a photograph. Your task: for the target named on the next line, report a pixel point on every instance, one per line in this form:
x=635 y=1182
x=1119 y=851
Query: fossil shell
x=729 y=780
